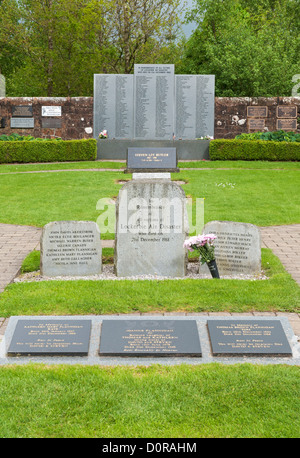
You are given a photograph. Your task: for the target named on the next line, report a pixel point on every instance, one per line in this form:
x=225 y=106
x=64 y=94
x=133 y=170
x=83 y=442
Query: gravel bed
x=108 y=274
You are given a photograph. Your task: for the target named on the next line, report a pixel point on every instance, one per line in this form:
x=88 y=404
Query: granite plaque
x=22 y=123
x=286 y=124
x=51 y=111
x=248 y=337
x=286 y=111
x=151 y=226
x=256 y=124
x=152 y=158
x=113 y=105
x=194 y=106
x=237 y=248
x=50 y=337
x=53 y=123
x=22 y=111
x=257 y=112
x=71 y=248
x=149 y=338
x=154 y=106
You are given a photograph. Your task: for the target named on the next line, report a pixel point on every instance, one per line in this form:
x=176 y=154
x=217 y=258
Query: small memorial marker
x=257 y=112
x=286 y=111
x=71 y=248
x=149 y=338
x=237 y=248
x=286 y=124
x=22 y=123
x=152 y=159
x=22 y=111
x=248 y=337
x=50 y=337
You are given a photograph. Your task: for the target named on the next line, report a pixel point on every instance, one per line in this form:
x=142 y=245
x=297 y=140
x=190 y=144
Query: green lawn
x=279 y=293
x=185 y=401
x=261 y=197
x=205 y=401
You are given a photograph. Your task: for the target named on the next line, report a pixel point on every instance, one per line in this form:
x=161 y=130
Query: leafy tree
x=59 y=44
x=251 y=46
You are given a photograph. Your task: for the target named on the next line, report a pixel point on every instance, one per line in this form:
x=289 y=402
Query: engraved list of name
x=71 y=248
x=113 y=110
x=153 y=117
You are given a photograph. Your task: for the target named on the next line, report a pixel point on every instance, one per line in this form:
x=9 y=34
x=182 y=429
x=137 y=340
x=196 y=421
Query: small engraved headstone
x=50 y=337
x=151 y=226
x=71 y=248
x=149 y=338
x=237 y=248
x=248 y=337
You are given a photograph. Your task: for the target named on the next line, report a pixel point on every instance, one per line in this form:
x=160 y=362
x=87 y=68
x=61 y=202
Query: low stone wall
x=76 y=120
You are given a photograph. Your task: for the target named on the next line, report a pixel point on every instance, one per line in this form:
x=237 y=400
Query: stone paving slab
x=284 y=241
x=16 y=242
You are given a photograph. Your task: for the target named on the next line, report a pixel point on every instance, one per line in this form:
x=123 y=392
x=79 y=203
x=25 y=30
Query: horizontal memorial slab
x=149 y=338
x=50 y=337
x=252 y=337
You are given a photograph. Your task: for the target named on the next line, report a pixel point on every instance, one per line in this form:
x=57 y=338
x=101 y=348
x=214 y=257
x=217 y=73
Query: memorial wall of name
x=154 y=104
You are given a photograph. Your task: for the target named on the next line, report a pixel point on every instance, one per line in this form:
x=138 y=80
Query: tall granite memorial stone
x=71 y=248
x=194 y=106
x=113 y=105
x=154 y=104
x=237 y=248
x=151 y=226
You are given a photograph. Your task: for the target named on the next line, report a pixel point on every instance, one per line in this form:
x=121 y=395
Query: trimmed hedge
x=48 y=151
x=253 y=150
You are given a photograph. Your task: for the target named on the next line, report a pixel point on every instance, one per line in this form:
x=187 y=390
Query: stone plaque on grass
x=151 y=226
x=248 y=337
x=71 y=248
x=155 y=159
x=237 y=248
x=50 y=338
x=149 y=338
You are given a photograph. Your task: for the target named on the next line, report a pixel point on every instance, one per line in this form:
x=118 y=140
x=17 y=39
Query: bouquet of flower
x=103 y=134
x=204 y=244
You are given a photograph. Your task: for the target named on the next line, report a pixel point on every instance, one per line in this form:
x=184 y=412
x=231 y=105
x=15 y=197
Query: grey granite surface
x=93 y=357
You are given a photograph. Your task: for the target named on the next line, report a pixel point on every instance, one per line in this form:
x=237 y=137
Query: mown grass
x=261 y=197
x=204 y=401
x=82 y=297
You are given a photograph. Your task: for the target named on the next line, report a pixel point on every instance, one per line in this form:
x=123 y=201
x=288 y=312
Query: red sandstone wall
x=77 y=115
x=76 y=120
